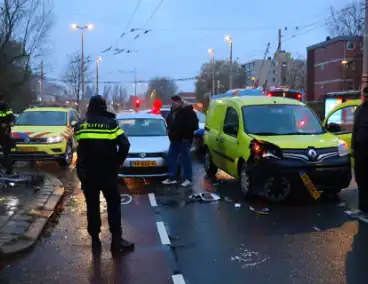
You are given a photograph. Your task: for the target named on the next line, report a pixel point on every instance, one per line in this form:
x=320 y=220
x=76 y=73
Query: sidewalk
x=24 y=213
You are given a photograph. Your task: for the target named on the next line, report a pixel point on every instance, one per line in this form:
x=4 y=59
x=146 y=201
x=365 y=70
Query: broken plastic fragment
x=205 y=196
x=263 y=211
x=237 y=205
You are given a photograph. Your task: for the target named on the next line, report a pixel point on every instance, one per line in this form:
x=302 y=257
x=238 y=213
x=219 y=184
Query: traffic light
x=137 y=103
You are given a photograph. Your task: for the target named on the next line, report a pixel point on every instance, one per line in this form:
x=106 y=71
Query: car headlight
x=342 y=148
x=260 y=149
x=55 y=139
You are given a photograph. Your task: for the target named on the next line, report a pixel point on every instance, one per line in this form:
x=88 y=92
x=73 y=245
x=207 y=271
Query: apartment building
x=334 y=65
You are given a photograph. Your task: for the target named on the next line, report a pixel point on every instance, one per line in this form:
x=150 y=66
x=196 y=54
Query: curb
x=35 y=229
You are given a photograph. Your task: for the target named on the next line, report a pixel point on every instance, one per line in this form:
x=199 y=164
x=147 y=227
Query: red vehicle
x=286 y=93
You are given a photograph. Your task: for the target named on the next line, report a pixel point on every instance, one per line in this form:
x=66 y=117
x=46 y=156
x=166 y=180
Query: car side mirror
x=230 y=129
x=73 y=123
x=333 y=127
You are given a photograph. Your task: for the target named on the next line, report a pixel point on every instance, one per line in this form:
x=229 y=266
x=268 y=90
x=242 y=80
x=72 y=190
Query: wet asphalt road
x=217 y=242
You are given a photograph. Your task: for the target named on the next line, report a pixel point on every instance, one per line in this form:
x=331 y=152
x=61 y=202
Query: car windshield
x=42 y=118
x=143 y=127
x=281 y=120
x=201 y=117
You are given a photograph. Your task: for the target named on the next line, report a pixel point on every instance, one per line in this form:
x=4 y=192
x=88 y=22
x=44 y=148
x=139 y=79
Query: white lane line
x=152 y=199
x=163 y=234
x=178 y=279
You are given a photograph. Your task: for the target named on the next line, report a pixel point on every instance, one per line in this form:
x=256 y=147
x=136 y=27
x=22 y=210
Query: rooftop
x=260 y=100
x=333 y=40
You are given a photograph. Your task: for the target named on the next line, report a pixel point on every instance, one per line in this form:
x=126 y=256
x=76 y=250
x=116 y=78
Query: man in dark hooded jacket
x=102 y=149
x=182 y=122
x=6 y=121
x=359 y=146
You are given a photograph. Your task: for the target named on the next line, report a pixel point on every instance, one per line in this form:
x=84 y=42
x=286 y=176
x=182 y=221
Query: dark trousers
x=109 y=186
x=180 y=150
x=6 y=145
x=361 y=176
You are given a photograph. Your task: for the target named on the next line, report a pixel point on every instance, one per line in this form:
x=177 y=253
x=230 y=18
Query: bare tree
x=296 y=74
x=26 y=22
x=72 y=76
x=106 y=92
x=349 y=21
x=119 y=95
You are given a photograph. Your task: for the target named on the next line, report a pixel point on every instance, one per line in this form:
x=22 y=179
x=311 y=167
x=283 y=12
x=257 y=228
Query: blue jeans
x=183 y=149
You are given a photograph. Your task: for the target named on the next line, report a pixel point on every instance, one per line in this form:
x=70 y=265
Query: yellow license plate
x=145 y=164
x=310 y=186
x=27 y=149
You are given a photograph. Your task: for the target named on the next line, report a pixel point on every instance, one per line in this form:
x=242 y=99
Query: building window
x=273 y=80
x=273 y=71
x=361 y=45
x=322 y=66
x=350 y=85
x=254 y=64
x=350 y=45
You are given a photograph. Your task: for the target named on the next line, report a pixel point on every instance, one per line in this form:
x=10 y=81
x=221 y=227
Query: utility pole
x=264 y=59
x=365 y=51
x=230 y=40
x=280 y=36
x=212 y=53
x=41 y=80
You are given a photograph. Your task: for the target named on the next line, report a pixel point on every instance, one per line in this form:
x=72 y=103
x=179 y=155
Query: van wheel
x=209 y=167
x=245 y=184
x=67 y=159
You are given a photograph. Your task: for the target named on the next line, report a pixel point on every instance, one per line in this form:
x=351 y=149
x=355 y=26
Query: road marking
x=126 y=199
x=152 y=199
x=163 y=234
x=178 y=279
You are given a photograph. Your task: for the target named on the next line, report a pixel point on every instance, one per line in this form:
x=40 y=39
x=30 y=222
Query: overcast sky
x=182 y=32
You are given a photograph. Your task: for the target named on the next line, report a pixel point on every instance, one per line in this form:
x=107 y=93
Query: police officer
x=359 y=146
x=6 y=121
x=102 y=149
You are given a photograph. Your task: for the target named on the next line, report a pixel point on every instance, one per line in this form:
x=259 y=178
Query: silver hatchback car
x=149 y=145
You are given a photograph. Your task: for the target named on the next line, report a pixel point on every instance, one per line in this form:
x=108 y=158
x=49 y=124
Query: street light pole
x=82 y=28
x=212 y=53
x=135 y=82
x=98 y=60
x=230 y=40
x=365 y=51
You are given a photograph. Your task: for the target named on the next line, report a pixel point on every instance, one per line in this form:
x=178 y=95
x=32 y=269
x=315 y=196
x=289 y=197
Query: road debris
x=263 y=211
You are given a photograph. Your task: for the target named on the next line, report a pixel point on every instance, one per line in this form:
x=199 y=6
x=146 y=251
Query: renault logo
x=312 y=154
x=142 y=155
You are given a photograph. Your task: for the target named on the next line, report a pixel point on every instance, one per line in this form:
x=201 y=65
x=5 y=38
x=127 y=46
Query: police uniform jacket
x=6 y=118
x=102 y=144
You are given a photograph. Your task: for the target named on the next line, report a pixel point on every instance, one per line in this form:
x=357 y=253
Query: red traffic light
x=137 y=103
x=269 y=95
x=299 y=96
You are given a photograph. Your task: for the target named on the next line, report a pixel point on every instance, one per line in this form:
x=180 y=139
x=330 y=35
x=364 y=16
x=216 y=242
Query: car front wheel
x=209 y=167
x=245 y=184
x=67 y=158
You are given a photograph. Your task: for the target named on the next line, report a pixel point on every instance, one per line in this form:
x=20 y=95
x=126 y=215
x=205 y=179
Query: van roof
x=259 y=100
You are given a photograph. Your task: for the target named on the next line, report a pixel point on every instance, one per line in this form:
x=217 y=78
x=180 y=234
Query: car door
x=214 y=123
x=229 y=140
x=344 y=118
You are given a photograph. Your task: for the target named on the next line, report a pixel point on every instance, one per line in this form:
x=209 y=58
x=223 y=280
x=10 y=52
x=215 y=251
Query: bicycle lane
x=151 y=260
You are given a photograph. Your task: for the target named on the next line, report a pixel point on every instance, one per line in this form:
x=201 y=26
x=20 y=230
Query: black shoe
x=121 y=245
x=96 y=246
